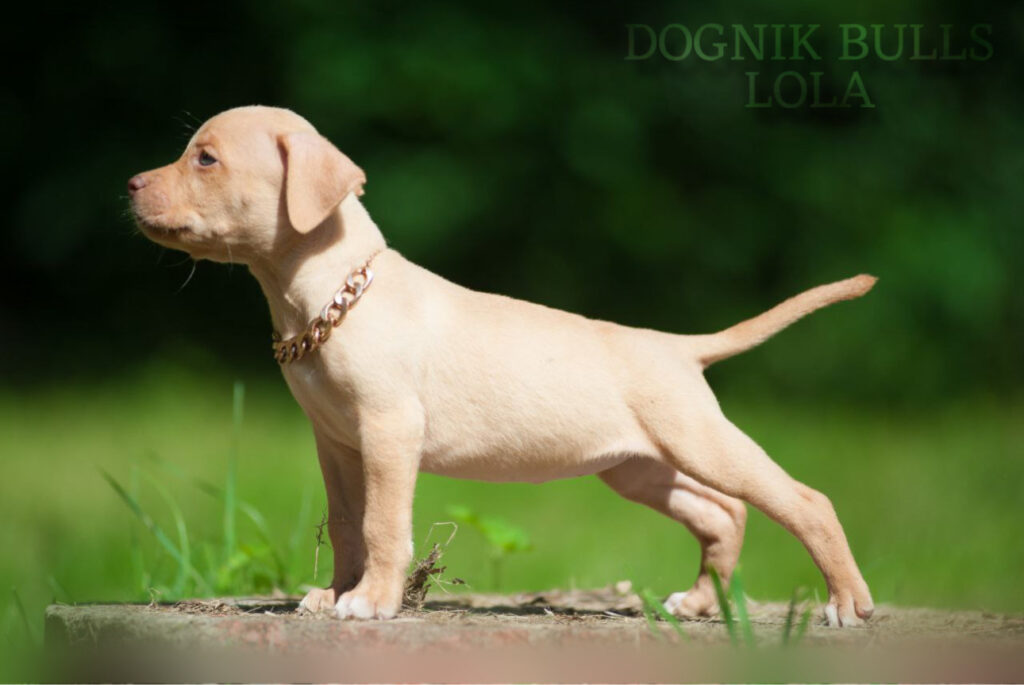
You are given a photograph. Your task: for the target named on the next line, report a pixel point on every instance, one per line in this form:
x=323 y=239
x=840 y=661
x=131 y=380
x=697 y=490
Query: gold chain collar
x=318 y=331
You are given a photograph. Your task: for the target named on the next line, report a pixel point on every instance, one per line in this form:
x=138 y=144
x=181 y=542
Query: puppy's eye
x=206 y=159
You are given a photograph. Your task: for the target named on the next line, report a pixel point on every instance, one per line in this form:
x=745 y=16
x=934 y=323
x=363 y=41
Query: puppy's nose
x=137 y=182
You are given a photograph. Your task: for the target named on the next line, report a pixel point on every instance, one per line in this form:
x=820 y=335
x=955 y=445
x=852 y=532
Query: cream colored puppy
x=426 y=375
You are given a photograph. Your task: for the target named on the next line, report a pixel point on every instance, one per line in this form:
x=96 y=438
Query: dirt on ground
x=601 y=635
x=618 y=607
x=619 y=610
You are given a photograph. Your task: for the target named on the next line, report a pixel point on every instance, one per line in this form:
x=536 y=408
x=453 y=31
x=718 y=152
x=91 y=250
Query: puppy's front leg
x=343 y=478
x=390 y=454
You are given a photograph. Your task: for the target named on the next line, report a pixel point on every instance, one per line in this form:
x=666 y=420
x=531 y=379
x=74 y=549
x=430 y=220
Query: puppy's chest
x=328 y=400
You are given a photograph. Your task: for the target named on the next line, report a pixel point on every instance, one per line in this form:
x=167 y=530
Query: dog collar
x=318 y=331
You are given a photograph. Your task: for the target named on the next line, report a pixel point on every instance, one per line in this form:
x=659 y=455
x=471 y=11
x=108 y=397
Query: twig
x=319 y=542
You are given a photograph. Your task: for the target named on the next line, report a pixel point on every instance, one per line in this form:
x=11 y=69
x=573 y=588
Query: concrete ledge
x=594 y=636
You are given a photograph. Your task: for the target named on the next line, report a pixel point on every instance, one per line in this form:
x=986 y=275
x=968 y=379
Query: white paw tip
x=360 y=608
x=674 y=601
x=308 y=605
x=832 y=615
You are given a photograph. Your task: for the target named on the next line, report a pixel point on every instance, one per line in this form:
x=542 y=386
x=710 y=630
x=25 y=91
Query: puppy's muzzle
x=137 y=182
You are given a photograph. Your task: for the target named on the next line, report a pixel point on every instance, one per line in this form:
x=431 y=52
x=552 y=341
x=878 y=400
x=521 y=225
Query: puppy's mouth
x=158 y=229
x=167 y=230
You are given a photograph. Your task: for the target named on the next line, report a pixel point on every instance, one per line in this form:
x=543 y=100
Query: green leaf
x=740 y=599
x=156 y=530
x=724 y=607
x=654 y=605
x=185 y=562
x=503 y=537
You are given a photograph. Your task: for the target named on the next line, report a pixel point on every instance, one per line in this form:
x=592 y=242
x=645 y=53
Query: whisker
x=189 y=126
x=191 y=273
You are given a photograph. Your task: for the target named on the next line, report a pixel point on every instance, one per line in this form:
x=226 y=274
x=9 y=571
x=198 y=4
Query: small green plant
x=733 y=606
x=180 y=551
x=738 y=622
x=654 y=609
x=503 y=538
x=228 y=566
x=788 y=636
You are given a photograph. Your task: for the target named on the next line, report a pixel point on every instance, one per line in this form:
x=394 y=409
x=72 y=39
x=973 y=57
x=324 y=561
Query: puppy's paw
x=370 y=600
x=845 y=609
x=317 y=600
x=692 y=604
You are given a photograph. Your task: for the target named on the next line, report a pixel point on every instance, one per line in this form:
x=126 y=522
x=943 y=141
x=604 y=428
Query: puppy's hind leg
x=704 y=445
x=715 y=519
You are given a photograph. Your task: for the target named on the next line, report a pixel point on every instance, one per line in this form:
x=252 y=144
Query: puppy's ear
x=317 y=177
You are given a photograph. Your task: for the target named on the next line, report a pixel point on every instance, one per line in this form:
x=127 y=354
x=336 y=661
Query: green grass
x=732 y=604
x=232 y=566
x=930 y=502
x=793 y=631
x=654 y=609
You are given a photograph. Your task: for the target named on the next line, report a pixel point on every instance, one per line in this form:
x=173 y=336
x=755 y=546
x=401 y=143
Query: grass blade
x=263 y=531
x=790 y=615
x=251 y=512
x=659 y=609
x=723 y=606
x=787 y=630
x=178 y=589
x=176 y=471
x=647 y=601
x=60 y=594
x=740 y=600
x=802 y=628
x=24 y=617
x=141 y=571
x=230 y=488
x=154 y=528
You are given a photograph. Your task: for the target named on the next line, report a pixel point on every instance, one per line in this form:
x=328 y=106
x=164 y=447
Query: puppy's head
x=251 y=181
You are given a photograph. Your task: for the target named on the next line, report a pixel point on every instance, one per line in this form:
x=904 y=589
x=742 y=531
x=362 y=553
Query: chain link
x=319 y=330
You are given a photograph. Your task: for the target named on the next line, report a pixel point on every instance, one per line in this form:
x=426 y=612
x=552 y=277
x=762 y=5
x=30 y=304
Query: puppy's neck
x=302 y=276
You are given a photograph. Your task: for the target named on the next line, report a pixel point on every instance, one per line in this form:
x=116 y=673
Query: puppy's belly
x=523 y=468
x=500 y=461
x=517 y=422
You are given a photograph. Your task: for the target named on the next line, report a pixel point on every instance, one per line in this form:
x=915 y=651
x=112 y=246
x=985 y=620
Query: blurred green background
x=514 y=149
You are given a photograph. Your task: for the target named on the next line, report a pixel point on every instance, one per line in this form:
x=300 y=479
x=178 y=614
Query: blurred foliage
x=503 y=538
x=514 y=149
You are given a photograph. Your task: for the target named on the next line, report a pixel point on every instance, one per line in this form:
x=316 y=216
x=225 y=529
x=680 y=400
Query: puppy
x=401 y=371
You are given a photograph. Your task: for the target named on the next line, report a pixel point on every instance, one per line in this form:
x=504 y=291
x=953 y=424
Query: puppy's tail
x=752 y=332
